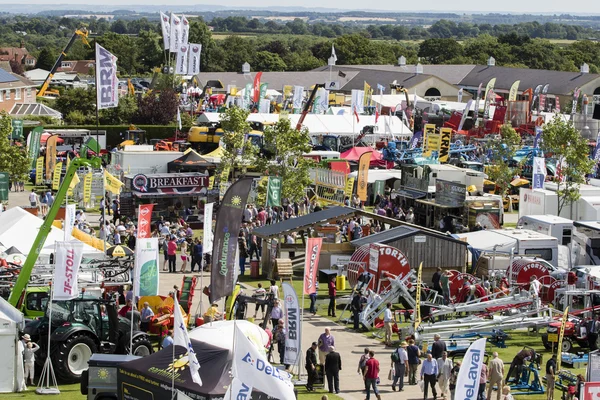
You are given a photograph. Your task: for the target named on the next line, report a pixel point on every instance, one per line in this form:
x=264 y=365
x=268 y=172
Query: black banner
x=229 y=220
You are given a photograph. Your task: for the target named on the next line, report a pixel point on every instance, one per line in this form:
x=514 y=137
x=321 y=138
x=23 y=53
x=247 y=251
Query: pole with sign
x=4 y=178
x=418 y=298
x=560 y=337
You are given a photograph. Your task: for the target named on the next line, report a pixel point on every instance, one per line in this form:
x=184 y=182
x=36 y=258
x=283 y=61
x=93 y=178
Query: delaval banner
x=252 y=368
x=175 y=34
x=467 y=383
x=145 y=271
x=238 y=390
x=182 y=60
x=293 y=326
x=311 y=265
x=229 y=220
x=107 y=84
x=66 y=268
x=207 y=238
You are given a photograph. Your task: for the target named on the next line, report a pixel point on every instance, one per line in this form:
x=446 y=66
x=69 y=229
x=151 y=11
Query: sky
x=512 y=6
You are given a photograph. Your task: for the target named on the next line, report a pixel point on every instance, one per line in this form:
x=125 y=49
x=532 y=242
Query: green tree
x=238 y=153
x=440 y=51
x=571 y=152
x=14 y=159
x=122 y=114
x=157 y=108
x=77 y=99
x=501 y=151
x=266 y=61
x=46 y=59
x=288 y=145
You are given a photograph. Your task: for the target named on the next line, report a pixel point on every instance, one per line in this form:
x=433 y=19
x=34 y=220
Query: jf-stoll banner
x=66 y=269
x=107 y=93
x=292 y=325
x=229 y=220
x=145 y=273
x=467 y=382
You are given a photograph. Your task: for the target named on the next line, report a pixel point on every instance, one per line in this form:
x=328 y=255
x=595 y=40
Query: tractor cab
x=133 y=136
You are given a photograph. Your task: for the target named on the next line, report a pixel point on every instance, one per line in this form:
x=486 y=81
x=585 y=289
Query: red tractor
x=575 y=332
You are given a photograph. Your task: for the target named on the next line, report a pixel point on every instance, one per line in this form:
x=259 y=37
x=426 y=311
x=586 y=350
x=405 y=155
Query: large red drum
x=457 y=281
x=523 y=269
x=377 y=259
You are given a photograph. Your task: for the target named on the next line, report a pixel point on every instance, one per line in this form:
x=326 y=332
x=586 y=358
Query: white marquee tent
x=11 y=375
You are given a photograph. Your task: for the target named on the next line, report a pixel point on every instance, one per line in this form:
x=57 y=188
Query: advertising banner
x=298 y=95
x=256 y=87
x=311 y=265
x=165 y=25
x=429 y=130
x=87 y=187
x=4 y=178
x=229 y=220
x=111 y=183
x=34 y=144
x=349 y=186
x=175 y=34
x=450 y=194
x=144 y=221
x=363 y=175
x=66 y=268
x=69 y=221
x=182 y=60
x=293 y=326
x=445 y=137
x=539 y=172
x=207 y=238
x=238 y=390
x=39 y=171
x=182 y=338
x=465 y=114
x=274 y=191
x=193 y=67
x=50 y=155
x=248 y=96
x=56 y=176
x=185 y=30
x=467 y=383
x=145 y=281
x=107 y=83
x=514 y=90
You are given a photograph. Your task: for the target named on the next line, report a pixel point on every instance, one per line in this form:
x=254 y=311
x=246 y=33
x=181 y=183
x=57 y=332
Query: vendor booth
x=11 y=375
x=190 y=162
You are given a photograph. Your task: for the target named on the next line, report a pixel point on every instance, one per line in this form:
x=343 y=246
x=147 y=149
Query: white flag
x=175 y=34
x=66 y=268
x=193 y=66
x=251 y=366
x=293 y=341
x=467 y=382
x=207 y=240
x=333 y=55
x=107 y=84
x=181 y=338
x=178 y=119
x=182 y=58
x=69 y=221
x=298 y=95
x=357 y=101
x=185 y=30
x=238 y=390
x=166 y=29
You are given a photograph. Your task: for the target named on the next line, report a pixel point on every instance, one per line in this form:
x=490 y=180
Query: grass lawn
x=67 y=392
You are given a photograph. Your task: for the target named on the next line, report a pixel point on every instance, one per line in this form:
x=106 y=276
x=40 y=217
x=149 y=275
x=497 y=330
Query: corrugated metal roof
x=386 y=236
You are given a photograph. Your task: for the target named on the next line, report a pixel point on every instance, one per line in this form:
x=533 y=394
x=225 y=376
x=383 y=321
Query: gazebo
x=190 y=162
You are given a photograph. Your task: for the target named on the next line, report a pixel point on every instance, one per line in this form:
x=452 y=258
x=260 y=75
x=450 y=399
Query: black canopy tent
x=190 y=162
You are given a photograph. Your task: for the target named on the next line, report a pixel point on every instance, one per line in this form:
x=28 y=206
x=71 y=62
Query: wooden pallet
x=283 y=269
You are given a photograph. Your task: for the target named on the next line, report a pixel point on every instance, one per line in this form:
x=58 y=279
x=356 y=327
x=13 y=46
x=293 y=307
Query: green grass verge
x=67 y=392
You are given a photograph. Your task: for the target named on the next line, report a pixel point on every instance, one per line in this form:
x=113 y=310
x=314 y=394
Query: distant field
x=222 y=36
x=362 y=19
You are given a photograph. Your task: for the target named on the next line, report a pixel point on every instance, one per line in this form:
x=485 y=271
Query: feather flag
x=333 y=55
x=181 y=338
x=175 y=34
x=185 y=30
x=257 y=87
x=166 y=30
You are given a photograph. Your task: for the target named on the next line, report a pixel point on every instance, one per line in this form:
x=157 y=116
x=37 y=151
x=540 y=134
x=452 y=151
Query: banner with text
x=311 y=265
x=193 y=67
x=175 y=33
x=107 y=84
x=144 y=221
x=70 y=210
x=145 y=274
x=39 y=171
x=238 y=390
x=363 y=175
x=50 y=155
x=293 y=326
x=207 y=239
x=165 y=25
x=56 y=176
x=66 y=269
x=467 y=383
x=33 y=141
x=87 y=187
x=274 y=191
x=182 y=60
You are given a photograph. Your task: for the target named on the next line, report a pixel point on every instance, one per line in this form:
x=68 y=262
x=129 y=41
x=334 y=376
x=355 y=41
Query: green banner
x=34 y=145
x=4 y=177
x=274 y=191
x=263 y=91
x=379 y=188
x=248 y=96
x=17 y=132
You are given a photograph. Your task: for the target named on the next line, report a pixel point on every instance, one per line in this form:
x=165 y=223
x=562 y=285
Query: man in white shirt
x=444 y=372
x=534 y=289
x=33 y=198
x=388 y=322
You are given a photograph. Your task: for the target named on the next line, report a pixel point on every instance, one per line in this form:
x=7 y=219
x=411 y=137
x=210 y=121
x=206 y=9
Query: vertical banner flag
x=349 y=187
x=175 y=34
x=514 y=90
x=274 y=191
x=487 y=103
x=536 y=95
x=185 y=30
x=39 y=171
x=293 y=340
x=211 y=182
x=476 y=112
x=111 y=183
x=182 y=60
x=538 y=136
x=557 y=105
x=144 y=221
x=429 y=131
x=166 y=30
x=66 y=268
x=357 y=101
x=238 y=390
x=465 y=114
x=574 y=102
x=596 y=154
x=418 y=297
x=263 y=91
x=193 y=67
x=74 y=182
x=460 y=95
x=107 y=84
x=145 y=273
x=311 y=264
x=445 y=136
x=34 y=144
x=50 y=155
x=248 y=95
x=467 y=382
x=298 y=94
x=542 y=103
x=56 y=176
x=251 y=366
x=229 y=219
x=561 y=335
x=87 y=187
x=367 y=97
x=4 y=179
x=207 y=238
x=182 y=338
x=539 y=172
x=70 y=210
x=333 y=55
x=363 y=175
x=256 y=87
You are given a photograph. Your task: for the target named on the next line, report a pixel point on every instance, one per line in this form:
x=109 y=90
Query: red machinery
x=377 y=259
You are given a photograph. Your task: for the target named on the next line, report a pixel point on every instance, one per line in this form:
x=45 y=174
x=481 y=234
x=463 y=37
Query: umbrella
x=119 y=251
x=519 y=182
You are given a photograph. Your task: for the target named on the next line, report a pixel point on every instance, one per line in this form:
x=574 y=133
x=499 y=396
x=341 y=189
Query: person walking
x=454 y=378
x=276 y=314
x=333 y=366
x=550 y=377
x=429 y=372
x=260 y=294
x=197 y=255
x=400 y=365
x=332 y=294
x=362 y=362
x=243 y=252
x=438 y=347
x=311 y=366
x=444 y=373
x=313 y=300
x=483 y=376
x=371 y=375
x=172 y=253
x=413 y=353
x=279 y=338
x=185 y=255
x=33 y=198
x=274 y=289
x=29 y=360
x=496 y=374
x=388 y=322
x=326 y=342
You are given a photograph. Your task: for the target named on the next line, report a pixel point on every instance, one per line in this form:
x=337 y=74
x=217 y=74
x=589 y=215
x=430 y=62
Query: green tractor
x=80 y=328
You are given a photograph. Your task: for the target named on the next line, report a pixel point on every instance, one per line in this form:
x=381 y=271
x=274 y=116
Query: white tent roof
x=392 y=100
x=19 y=228
x=378 y=175
x=451 y=105
x=220 y=333
x=339 y=110
x=270 y=93
x=487 y=240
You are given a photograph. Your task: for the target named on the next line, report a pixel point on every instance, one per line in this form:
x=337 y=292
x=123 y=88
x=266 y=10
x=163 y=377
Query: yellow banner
x=445 y=137
x=363 y=175
x=50 y=155
x=514 y=90
x=433 y=143
x=39 y=171
x=111 y=183
x=368 y=94
x=429 y=130
x=225 y=174
x=56 y=176
x=560 y=338
x=349 y=186
x=287 y=91
x=74 y=182
x=418 y=298
x=211 y=182
x=87 y=187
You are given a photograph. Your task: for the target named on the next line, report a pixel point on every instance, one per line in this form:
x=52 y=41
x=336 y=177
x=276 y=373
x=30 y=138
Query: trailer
x=558 y=227
x=142 y=159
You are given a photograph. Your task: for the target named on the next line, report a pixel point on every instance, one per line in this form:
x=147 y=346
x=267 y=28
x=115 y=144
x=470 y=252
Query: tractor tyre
x=141 y=346
x=72 y=356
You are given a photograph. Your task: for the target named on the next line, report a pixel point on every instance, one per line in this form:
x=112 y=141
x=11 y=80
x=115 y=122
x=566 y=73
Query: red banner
x=311 y=266
x=144 y=221
x=591 y=391
x=257 y=87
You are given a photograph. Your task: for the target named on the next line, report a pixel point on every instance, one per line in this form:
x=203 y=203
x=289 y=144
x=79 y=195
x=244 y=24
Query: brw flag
x=111 y=183
x=107 y=84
